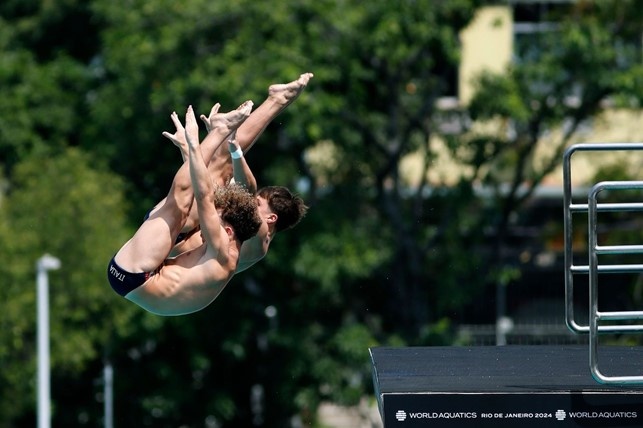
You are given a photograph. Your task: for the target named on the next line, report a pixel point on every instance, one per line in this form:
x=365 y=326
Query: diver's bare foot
x=286 y=93
x=227 y=122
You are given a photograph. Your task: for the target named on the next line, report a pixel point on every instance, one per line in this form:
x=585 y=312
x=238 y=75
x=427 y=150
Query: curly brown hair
x=290 y=208
x=238 y=208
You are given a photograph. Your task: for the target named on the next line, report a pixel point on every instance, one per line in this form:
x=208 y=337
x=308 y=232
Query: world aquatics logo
x=400 y=415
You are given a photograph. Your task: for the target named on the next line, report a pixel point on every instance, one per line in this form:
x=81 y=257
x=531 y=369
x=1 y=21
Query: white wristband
x=237 y=154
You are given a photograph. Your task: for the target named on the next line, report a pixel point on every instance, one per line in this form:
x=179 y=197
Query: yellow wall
x=487 y=44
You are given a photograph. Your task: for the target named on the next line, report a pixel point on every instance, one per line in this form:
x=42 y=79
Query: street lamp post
x=44 y=264
x=108 y=375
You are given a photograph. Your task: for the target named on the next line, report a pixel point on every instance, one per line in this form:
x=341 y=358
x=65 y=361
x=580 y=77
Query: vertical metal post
x=593 y=277
x=44 y=264
x=108 y=378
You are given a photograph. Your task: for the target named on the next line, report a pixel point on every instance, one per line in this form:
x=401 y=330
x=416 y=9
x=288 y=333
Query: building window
x=531 y=20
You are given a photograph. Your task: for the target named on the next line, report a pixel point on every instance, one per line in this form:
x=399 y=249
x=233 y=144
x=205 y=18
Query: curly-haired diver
x=142 y=270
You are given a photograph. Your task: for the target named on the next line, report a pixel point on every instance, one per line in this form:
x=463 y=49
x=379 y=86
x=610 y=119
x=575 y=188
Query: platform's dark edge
x=498 y=369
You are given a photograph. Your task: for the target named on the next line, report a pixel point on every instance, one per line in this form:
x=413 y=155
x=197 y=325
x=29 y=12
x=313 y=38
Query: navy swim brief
x=122 y=281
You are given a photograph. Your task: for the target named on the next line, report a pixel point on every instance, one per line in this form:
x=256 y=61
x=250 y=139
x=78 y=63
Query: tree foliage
x=58 y=205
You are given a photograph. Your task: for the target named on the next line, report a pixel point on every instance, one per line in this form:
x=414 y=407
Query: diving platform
x=505 y=386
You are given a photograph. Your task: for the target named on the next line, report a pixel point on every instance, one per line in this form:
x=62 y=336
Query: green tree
x=58 y=204
x=43 y=75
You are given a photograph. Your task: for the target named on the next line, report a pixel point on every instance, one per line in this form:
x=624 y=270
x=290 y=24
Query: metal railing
x=599 y=322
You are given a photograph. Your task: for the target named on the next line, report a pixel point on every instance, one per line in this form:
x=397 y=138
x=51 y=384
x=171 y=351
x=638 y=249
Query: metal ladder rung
x=619 y=249
x=623 y=268
x=621 y=315
x=612 y=329
x=608 y=207
x=617 y=380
